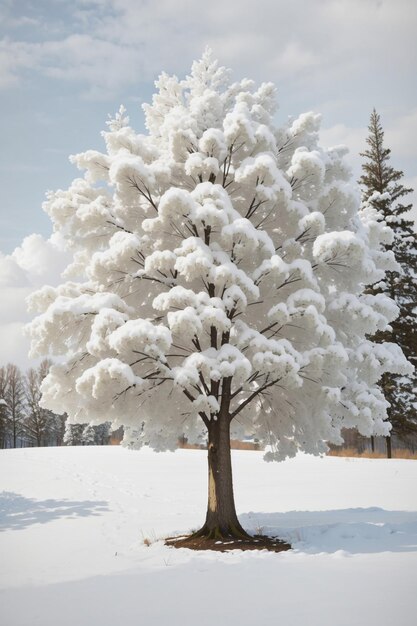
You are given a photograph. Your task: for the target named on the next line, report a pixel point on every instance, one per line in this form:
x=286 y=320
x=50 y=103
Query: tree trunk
x=221 y=519
x=389 y=447
x=372 y=443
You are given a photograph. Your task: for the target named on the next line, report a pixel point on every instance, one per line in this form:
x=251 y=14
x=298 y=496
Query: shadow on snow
x=355 y=531
x=18 y=512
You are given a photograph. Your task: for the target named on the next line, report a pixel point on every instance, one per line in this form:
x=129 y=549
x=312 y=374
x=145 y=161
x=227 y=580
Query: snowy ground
x=73 y=521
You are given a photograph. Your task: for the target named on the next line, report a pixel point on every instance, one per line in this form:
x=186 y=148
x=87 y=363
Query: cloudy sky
x=64 y=66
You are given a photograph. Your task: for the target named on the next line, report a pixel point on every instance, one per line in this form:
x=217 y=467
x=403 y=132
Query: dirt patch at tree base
x=257 y=542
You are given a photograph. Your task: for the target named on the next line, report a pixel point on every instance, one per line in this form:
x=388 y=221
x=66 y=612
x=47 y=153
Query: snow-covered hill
x=74 y=521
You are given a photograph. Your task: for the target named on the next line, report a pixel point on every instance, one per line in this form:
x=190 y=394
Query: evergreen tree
x=382 y=188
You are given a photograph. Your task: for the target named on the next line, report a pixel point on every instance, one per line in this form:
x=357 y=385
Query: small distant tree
x=3 y=408
x=382 y=188
x=39 y=423
x=73 y=435
x=224 y=264
x=57 y=429
x=3 y=422
x=102 y=434
x=88 y=436
x=15 y=401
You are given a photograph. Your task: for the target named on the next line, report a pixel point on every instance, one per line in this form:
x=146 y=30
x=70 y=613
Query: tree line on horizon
x=24 y=423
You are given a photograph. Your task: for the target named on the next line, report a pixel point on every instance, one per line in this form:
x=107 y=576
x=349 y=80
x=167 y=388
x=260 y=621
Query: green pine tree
x=382 y=187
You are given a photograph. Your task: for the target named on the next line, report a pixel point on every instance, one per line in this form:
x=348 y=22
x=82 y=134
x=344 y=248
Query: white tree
x=88 y=436
x=102 y=434
x=224 y=263
x=73 y=434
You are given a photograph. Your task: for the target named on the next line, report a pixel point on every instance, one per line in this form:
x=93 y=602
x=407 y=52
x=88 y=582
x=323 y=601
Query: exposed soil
x=257 y=542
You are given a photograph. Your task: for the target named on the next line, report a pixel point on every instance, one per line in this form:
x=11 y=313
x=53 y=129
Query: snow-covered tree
x=102 y=434
x=224 y=262
x=382 y=189
x=88 y=436
x=73 y=435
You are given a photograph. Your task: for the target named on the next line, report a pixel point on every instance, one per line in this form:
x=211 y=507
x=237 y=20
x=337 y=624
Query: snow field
x=73 y=523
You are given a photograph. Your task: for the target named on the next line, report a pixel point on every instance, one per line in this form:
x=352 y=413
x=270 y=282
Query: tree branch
x=252 y=396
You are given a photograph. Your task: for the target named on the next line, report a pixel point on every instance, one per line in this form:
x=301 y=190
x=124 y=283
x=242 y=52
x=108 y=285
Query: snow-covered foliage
x=86 y=435
x=223 y=264
x=73 y=435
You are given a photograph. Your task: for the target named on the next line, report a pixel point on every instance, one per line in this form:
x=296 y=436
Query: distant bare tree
x=38 y=421
x=57 y=429
x=15 y=399
x=3 y=408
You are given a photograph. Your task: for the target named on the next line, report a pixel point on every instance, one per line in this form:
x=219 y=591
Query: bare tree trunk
x=372 y=443
x=389 y=447
x=221 y=519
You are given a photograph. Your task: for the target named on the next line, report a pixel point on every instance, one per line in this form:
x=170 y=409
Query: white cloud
x=13 y=307
x=316 y=52
x=295 y=57
x=118 y=42
x=36 y=262
x=10 y=273
x=14 y=57
x=14 y=346
x=353 y=138
x=401 y=135
x=38 y=257
x=77 y=58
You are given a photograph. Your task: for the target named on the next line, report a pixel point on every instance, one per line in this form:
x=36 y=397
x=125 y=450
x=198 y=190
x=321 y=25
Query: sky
x=65 y=66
